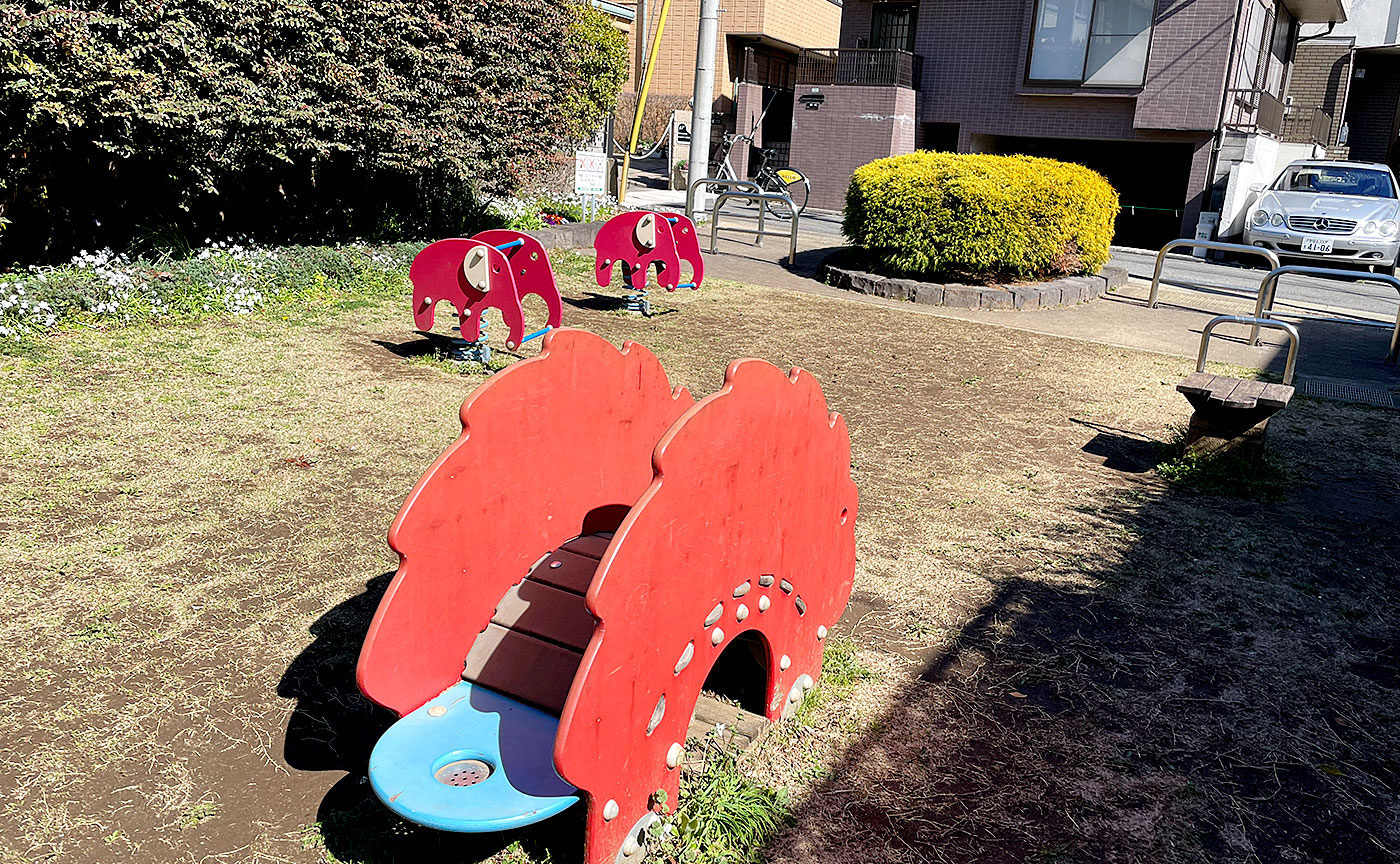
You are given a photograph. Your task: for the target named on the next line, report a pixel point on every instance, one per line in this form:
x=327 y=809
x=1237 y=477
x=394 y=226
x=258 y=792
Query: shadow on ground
x=1225 y=689
x=334 y=728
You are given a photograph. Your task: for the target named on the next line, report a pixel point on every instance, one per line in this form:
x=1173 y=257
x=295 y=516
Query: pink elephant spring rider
x=637 y=241
x=544 y=643
x=493 y=269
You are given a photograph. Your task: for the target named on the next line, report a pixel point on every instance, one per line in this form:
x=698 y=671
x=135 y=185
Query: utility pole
x=702 y=109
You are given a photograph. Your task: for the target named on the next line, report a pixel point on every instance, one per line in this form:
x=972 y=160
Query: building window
x=892 y=26
x=1097 y=43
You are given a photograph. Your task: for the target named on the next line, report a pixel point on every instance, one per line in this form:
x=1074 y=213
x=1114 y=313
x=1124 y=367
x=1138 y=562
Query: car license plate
x=1318 y=245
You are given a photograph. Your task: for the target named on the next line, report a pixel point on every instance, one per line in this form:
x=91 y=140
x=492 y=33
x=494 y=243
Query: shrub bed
x=136 y=125
x=980 y=217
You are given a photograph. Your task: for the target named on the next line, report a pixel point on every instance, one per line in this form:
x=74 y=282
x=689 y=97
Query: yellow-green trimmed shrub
x=980 y=217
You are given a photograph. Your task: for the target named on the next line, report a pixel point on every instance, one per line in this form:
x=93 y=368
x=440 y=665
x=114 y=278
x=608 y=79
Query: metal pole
x=642 y=100
x=702 y=109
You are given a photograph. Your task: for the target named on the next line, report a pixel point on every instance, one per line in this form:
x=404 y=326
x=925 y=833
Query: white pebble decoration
x=714 y=615
x=742 y=589
x=785 y=662
x=437 y=710
x=610 y=810
x=630 y=847
x=821 y=632
x=806 y=683
x=741 y=613
x=764 y=603
x=686 y=655
x=795 y=693
x=673 y=755
x=716 y=636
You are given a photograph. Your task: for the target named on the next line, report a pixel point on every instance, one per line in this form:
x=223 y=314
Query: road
x=1363 y=299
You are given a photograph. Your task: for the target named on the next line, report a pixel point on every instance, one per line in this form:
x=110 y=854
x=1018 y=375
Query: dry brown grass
x=1078 y=661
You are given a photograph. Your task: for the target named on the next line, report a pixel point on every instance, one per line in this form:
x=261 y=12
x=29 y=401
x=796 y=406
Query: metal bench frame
x=1268 y=289
x=1289 y=330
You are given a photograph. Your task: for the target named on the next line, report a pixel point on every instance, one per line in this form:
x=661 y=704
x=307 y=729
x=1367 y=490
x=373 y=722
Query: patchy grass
x=723 y=816
x=1233 y=474
x=1068 y=658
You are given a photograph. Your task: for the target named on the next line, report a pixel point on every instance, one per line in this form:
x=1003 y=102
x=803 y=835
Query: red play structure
x=636 y=241
x=572 y=567
x=495 y=269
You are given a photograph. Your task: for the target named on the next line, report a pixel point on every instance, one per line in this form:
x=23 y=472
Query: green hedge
x=980 y=217
x=130 y=122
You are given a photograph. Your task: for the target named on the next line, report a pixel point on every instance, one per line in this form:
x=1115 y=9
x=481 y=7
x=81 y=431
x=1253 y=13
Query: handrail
x=762 y=198
x=1288 y=329
x=1264 y=305
x=712 y=181
x=1202 y=244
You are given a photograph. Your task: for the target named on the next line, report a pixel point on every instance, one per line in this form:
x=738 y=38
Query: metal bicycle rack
x=1268 y=254
x=753 y=193
x=1289 y=330
x=1264 y=305
x=714 y=181
x=761 y=198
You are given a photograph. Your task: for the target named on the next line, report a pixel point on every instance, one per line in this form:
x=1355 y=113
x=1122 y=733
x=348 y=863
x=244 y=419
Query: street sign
x=590 y=172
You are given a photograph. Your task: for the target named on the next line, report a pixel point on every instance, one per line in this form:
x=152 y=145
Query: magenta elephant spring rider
x=495 y=269
x=636 y=242
x=574 y=566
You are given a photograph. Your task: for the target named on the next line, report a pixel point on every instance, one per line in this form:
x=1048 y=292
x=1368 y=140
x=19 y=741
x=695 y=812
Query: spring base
x=638 y=303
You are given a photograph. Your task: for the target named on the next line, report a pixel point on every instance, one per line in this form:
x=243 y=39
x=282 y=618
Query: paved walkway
x=1331 y=355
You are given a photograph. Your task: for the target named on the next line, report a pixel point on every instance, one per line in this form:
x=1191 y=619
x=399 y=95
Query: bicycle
x=787 y=181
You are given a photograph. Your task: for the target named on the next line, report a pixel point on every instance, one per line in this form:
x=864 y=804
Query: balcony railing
x=871 y=67
x=1253 y=111
x=1321 y=127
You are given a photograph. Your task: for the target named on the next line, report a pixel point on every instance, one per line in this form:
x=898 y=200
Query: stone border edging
x=1065 y=291
x=574 y=235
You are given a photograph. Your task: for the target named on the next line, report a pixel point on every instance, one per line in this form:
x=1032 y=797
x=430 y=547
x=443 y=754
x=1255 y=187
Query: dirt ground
x=1077 y=660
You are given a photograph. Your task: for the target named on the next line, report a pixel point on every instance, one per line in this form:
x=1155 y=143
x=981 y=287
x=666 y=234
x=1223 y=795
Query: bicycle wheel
x=790 y=182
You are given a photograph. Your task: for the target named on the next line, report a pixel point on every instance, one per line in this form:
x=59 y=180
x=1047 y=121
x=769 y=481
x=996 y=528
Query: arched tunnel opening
x=740 y=675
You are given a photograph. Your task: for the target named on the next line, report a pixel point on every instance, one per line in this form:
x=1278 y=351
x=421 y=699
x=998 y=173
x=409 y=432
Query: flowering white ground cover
x=222 y=278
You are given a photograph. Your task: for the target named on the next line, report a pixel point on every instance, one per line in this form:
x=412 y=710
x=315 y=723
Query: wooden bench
x=1234 y=412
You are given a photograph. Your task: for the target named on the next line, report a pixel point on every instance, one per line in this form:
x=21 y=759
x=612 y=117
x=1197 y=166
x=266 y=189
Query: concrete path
x=1331 y=355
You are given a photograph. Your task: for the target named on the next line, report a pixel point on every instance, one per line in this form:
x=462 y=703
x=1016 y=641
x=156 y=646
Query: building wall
x=854 y=126
x=1372 y=106
x=800 y=23
x=1369 y=23
x=1321 y=70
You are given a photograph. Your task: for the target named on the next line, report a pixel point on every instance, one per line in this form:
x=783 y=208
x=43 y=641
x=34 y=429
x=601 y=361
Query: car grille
x=1309 y=224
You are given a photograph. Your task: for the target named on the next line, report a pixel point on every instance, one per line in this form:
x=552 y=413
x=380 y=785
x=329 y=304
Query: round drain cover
x=463 y=772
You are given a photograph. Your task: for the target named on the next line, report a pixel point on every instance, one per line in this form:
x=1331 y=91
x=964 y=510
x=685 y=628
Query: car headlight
x=1371 y=228
x=1389 y=227
x=1278 y=219
x=1261 y=218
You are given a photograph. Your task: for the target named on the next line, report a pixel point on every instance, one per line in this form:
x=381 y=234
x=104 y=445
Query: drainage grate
x=1365 y=392
x=463 y=772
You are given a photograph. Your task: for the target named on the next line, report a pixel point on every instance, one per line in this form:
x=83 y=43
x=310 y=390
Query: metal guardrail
x=1288 y=329
x=762 y=198
x=1202 y=244
x=1268 y=289
x=713 y=181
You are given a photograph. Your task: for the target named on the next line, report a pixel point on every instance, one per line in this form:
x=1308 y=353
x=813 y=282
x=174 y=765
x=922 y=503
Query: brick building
x=756 y=57
x=1346 y=81
x=1167 y=98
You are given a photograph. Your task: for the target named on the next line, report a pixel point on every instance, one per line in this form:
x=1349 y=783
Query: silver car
x=1330 y=212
